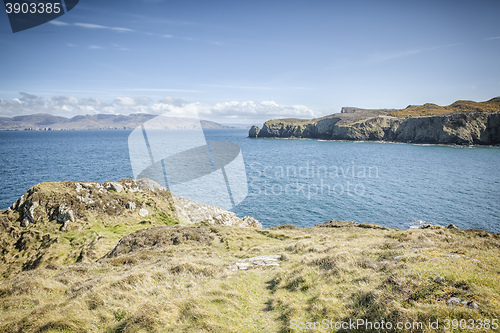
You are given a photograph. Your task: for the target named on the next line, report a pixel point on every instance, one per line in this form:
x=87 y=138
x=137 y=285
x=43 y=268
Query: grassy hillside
x=122 y=257
x=186 y=279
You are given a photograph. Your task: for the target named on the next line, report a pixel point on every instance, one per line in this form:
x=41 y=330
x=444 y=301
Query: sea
x=291 y=181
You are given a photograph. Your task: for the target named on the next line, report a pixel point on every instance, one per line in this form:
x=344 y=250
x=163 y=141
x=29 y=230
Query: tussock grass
x=177 y=279
x=429 y=109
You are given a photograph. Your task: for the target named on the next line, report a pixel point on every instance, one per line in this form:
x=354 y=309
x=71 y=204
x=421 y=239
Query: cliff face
x=474 y=127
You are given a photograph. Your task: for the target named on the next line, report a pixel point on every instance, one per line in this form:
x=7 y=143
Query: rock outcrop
x=82 y=221
x=66 y=201
x=254 y=131
x=455 y=127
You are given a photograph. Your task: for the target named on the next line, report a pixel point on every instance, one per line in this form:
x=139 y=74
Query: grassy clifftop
x=350 y=115
x=428 y=109
x=229 y=279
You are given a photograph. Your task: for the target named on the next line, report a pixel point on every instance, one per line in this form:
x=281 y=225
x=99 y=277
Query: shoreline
x=380 y=141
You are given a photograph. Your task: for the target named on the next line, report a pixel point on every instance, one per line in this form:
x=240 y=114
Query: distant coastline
x=47 y=122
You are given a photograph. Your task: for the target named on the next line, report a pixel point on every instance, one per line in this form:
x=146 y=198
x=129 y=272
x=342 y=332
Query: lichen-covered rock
x=230 y=219
x=66 y=201
x=114 y=186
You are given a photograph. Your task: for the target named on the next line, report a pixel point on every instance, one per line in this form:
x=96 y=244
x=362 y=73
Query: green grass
x=334 y=273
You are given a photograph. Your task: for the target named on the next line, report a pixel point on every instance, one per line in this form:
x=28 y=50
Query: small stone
x=451 y=226
x=439 y=279
x=64 y=225
x=143 y=212
x=260 y=261
x=131 y=205
x=472 y=305
x=114 y=186
x=25 y=222
x=454 y=301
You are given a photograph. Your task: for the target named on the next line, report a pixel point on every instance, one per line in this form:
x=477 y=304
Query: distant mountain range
x=47 y=122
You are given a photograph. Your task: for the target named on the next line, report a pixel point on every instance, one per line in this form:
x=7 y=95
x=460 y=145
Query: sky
x=249 y=61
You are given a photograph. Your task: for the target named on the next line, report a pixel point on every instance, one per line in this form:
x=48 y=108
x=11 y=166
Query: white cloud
x=163 y=90
x=58 y=23
x=234 y=111
x=99 y=26
x=129 y=101
x=251 y=109
x=120 y=29
x=225 y=112
x=173 y=101
x=95 y=47
x=90 y=25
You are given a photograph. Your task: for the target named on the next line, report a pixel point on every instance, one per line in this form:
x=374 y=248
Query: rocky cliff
x=82 y=221
x=463 y=122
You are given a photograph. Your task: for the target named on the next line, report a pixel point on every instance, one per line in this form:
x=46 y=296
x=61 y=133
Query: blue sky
x=249 y=61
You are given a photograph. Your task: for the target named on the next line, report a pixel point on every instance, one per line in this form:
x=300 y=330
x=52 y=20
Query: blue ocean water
x=301 y=182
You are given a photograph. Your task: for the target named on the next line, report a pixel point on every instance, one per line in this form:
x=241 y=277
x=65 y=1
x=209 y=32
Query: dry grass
x=176 y=279
x=429 y=109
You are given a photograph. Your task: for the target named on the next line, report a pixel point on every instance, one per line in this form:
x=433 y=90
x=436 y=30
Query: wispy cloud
x=58 y=23
x=90 y=25
x=161 y=21
x=120 y=47
x=99 y=26
x=215 y=42
x=381 y=57
x=255 y=87
x=163 y=90
x=117 y=47
x=93 y=26
x=120 y=29
x=491 y=38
